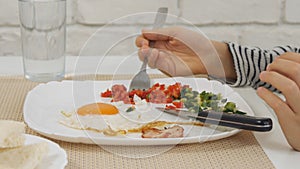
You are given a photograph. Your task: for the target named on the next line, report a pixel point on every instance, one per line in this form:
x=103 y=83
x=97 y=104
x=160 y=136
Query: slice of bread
x=25 y=157
x=11 y=133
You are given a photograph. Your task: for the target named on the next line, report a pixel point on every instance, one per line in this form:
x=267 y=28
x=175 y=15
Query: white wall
x=263 y=23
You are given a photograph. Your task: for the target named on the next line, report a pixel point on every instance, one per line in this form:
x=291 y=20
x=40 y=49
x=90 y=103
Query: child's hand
x=284 y=74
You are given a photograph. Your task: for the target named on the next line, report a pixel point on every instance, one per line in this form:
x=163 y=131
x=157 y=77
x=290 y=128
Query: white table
x=273 y=143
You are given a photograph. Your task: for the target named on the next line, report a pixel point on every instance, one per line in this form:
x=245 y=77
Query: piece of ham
x=171 y=132
x=119 y=93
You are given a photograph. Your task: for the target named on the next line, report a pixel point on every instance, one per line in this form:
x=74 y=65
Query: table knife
x=239 y=121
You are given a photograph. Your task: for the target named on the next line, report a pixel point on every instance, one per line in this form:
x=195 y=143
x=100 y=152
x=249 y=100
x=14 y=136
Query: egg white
x=120 y=121
x=142 y=115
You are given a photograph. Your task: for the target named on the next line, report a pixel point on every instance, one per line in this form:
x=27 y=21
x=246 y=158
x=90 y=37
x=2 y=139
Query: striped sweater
x=250 y=61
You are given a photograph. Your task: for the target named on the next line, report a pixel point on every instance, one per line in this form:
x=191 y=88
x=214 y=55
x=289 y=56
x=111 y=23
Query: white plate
x=56 y=157
x=43 y=105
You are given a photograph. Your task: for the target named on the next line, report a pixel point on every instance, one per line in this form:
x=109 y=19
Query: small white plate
x=56 y=157
x=44 y=103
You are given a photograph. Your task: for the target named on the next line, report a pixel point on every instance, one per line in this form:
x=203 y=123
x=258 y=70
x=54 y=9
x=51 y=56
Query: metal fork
x=141 y=80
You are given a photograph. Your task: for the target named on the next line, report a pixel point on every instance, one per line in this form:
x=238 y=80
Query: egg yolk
x=97 y=108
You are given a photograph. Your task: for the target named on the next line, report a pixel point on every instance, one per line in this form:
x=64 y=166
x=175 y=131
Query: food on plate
x=97 y=108
x=158 y=93
x=195 y=102
x=175 y=96
x=99 y=117
x=112 y=119
x=11 y=133
x=24 y=157
x=120 y=123
x=166 y=132
x=231 y=107
x=107 y=93
x=130 y=109
x=119 y=93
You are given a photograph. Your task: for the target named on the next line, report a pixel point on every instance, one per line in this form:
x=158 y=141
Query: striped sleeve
x=250 y=61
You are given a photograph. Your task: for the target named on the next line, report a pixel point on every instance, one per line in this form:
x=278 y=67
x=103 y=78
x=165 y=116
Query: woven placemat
x=239 y=151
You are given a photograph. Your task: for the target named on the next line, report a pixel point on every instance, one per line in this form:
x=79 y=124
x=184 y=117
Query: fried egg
x=97 y=109
x=103 y=117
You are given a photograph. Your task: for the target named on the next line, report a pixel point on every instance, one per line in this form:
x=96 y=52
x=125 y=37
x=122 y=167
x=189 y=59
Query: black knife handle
x=236 y=120
x=235 y=117
x=259 y=128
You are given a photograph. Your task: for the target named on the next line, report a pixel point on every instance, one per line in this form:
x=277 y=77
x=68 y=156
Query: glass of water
x=43 y=34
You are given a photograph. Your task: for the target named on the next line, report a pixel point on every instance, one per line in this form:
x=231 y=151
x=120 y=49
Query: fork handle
x=145 y=62
x=159 y=21
x=144 y=65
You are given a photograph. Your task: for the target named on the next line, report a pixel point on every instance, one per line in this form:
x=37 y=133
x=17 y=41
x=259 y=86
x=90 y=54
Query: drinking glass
x=43 y=35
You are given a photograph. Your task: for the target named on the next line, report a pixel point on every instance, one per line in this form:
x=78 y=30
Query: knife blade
x=245 y=122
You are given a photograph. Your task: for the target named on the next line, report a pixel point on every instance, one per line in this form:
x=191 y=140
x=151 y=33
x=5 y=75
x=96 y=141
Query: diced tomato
x=107 y=93
x=162 y=87
x=169 y=100
x=141 y=93
x=131 y=101
x=158 y=93
x=170 y=107
x=155 y=86
x=178 y=104
x=174 y=90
